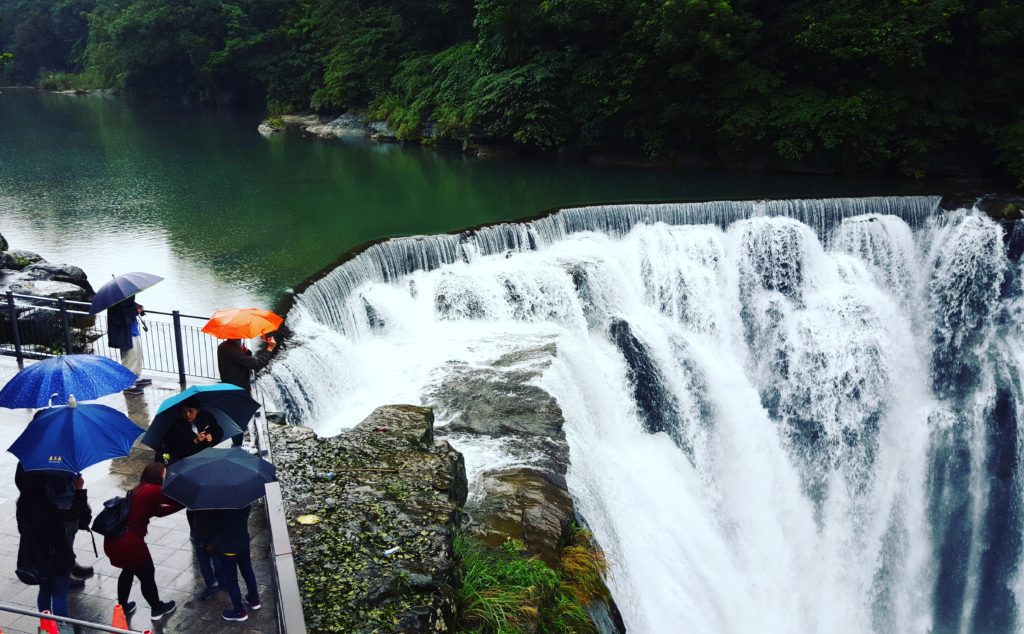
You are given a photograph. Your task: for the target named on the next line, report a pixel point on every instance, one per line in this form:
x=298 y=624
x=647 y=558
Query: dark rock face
x=522 y=503
x=17 y=259
x=60 y=273
x=388 y=500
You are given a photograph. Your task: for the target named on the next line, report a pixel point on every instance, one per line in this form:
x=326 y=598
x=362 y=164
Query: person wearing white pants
x=123 y=334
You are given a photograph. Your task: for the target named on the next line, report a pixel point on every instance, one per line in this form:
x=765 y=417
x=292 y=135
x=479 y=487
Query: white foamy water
x=795 y=416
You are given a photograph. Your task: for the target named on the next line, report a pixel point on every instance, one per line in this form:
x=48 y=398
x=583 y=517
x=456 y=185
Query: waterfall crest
x=782 y=416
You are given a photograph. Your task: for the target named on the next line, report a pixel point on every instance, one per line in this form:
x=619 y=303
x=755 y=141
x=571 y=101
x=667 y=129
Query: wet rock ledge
x=387 y=500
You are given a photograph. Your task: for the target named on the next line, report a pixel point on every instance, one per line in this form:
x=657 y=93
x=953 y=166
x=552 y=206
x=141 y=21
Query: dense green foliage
x=883 y=85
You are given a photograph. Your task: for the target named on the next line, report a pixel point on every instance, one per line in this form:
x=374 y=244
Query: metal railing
x=77 y=623
x=38 y=327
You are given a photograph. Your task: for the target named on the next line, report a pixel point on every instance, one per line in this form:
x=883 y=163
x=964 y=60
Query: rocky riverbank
x=39 y=326
x=381 y=531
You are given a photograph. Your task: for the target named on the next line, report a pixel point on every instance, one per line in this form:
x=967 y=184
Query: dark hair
x=153 y=473
x=191 y=401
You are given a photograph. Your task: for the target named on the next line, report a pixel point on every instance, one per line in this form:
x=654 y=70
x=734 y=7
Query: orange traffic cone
x=119 y=620
x=47 y=626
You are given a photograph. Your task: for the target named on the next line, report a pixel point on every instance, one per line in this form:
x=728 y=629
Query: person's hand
x=79 y=483
x=271 y=344
x=139 y=309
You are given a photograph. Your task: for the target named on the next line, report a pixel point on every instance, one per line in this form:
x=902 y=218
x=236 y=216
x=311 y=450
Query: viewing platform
x=177 y=574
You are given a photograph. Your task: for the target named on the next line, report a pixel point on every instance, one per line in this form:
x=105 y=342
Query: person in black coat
x=45 y=548
x=236 y=364
x=195 y=431
x=230 y=544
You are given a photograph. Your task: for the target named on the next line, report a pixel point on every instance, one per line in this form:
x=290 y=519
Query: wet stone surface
x=386 y=499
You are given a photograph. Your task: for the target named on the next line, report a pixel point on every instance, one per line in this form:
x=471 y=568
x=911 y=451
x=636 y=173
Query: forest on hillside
x=879 y=86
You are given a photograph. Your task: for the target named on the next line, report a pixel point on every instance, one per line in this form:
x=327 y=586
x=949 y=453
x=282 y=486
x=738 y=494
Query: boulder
x=387 y=498
x=524 y=504
x=3 y=243
x=60 y=273
x=18 y=259
x=381 y=131
x=301 y=120
x=266 y=129
x=345 y=125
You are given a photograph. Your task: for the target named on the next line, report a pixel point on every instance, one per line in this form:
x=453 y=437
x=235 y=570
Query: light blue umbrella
x=53 y=381
x=73 y=437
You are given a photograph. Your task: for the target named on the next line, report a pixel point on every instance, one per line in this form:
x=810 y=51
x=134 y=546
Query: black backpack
x=112 y=521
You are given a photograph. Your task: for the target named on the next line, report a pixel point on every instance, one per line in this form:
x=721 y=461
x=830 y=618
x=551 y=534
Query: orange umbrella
x=241 y=323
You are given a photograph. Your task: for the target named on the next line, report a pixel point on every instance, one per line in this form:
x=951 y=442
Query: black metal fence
x=39 y=327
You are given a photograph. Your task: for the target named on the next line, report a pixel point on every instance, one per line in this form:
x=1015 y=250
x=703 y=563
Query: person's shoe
x=165 y=608
x=134 y=391
x=234 y=615
x=143 y=382
x=82 y=572
x=209 y=592
x=253 y=603
x=129 y=608
x=76 y=583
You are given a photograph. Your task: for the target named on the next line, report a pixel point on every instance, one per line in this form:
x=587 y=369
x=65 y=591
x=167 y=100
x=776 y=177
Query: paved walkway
x=177 y=576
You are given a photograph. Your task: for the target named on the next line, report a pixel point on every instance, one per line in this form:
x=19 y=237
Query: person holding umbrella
x=45 y=554
x=129 y=551
x=118 y=298
x=235 y=362
x=225 y=482
x=196 y=430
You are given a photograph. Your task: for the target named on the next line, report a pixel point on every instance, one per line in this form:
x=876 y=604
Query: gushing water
x=790 y=416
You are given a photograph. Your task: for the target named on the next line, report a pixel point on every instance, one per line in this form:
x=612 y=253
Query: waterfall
x=782 y=416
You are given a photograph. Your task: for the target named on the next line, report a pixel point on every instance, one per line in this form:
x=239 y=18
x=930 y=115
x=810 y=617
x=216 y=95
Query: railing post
x=66 y=324
x=179 y=348
x=12 y=313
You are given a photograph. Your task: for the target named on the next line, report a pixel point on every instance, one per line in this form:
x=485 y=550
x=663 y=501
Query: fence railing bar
x=6 y=607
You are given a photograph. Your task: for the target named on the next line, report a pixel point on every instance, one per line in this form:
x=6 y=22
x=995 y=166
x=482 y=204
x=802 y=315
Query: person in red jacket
x=129 y=551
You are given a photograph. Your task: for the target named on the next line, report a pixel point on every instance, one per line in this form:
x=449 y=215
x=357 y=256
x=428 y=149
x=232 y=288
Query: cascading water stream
x=789 y=416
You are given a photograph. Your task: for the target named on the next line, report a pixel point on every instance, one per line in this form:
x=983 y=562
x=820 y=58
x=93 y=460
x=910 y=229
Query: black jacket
x=229 y=529
x=179 y=439
x=120 y=318
x=46 y=544
x=235 y=364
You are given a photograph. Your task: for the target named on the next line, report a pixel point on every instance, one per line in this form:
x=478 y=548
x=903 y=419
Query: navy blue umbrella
x=232 y=406
x=73 y=437
x=219 y=479
x=121 y=288
x=53 y=381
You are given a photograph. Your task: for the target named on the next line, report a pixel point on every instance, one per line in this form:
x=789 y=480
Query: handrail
x=290 y=618
x=6 y=607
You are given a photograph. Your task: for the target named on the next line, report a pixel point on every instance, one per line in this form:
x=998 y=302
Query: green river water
x=231 y=218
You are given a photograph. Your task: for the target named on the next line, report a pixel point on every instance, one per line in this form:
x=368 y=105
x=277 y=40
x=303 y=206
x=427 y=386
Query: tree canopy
x=907 y=86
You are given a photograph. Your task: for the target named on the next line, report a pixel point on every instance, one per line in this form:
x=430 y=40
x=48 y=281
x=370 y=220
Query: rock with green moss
x=387 y=499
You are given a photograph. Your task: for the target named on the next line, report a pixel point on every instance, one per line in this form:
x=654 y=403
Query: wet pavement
x=177 y=575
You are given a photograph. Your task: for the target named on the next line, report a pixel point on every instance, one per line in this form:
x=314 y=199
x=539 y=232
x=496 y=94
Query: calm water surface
x=231 y=218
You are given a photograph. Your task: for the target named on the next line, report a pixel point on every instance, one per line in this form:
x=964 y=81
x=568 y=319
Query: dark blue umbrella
x=219 y=479
x=121 y=288
x=73 y=437
x=85 y=375
x=232 y=406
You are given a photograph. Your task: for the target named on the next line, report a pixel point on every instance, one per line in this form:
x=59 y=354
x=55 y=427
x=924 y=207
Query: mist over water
x=786 y=416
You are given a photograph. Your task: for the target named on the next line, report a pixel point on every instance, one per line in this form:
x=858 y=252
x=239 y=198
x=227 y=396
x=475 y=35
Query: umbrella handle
x=95 y=552
x=145 y=328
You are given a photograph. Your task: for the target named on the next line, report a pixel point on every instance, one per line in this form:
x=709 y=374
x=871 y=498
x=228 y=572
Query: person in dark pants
x=230 y=545
x=236 y=363
x=130 y=553
x=195 y=431
x=45 y=548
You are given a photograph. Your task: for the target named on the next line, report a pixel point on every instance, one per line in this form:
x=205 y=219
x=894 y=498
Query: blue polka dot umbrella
x=53 y=381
